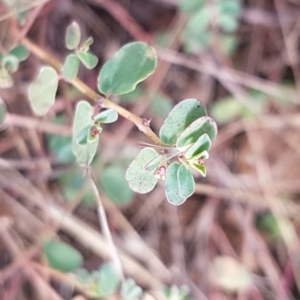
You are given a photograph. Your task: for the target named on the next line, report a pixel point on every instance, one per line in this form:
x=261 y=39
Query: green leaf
x=200 y=168
x=181 y=116
x=139 y=178
x=20 y=51
x=10 y=63
x=176 y=292
x=115 y=185
x=107 y=116
x=186 y=182
x=61 y=256
x=42 y=91
x=161 y=106
x=153 y=164
x=6 y=80
x=70 y=67
x=132 y=64
x=73 y=36
x=172 y=185
x=82 y=119
x=191 y=6
x=130 y=291
x=82 y=137
x=202 y=144
x=88 y=59
x=86 y=45
x=108 y=280
x=199 y=127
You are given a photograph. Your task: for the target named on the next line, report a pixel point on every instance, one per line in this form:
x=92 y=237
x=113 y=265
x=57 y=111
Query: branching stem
x=86 y=90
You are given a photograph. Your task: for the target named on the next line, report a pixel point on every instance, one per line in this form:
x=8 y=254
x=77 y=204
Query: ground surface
x=248 y=76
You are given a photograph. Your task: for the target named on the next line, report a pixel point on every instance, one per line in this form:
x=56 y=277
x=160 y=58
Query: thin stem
x=141 y=123
x=105 y=229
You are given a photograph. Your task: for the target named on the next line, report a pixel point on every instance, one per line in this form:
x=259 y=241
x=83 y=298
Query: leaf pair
x=72 y=61
x=179 y=180
x=86 y=129
x=105 y=282
x=180 y=183
x=131 y=64
x=90 y=132
x=181 y=116
x=187 y=133
x=71 y=65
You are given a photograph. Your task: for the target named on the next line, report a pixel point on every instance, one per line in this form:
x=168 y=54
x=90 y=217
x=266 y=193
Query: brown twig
x=91 y=94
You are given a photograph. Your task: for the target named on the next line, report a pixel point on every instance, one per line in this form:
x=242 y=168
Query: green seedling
x=105 y=283
x=187 y=133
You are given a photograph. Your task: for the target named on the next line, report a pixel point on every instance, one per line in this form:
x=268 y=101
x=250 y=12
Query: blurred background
x=237 y=237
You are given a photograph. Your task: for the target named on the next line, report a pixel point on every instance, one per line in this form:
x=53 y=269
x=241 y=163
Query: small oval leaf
x=200 y=168
x=73 y=36
x=181 y=116
x=42 y=91
x=186 y=182
x=132 y=64
x=130 y=291
x=82 y=137
x=199 y=127
x=172 y=185
x=70 y=67
x=20 y=51
x=88 y=59
x=86 y=45
x=61 y=256
x=82 y=119
x=108 y=279
x=10 y=63
x=107 y=116
x=202 y=144
x=139 y=178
